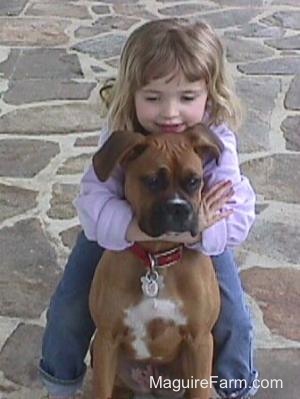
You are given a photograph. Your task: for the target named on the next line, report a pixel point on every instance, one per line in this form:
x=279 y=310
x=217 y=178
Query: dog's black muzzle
x=172 y=216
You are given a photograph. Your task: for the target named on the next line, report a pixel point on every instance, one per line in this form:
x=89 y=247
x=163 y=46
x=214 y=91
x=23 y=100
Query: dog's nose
x=178 y=210
x=173 y=215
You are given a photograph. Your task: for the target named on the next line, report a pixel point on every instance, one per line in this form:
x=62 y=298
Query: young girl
x=171 y=76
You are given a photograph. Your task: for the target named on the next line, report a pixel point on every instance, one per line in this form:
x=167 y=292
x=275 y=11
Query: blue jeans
x=69 y=326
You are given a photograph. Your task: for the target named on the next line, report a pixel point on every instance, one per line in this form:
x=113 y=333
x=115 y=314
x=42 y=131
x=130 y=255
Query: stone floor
x=53 y=57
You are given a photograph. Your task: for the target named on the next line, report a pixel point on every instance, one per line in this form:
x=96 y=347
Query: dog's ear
x=205 y=142
x=121 y=147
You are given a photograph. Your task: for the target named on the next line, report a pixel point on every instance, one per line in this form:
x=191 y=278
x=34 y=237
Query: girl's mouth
x=171 y=128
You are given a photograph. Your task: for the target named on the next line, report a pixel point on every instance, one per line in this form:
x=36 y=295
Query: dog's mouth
x=172 y=217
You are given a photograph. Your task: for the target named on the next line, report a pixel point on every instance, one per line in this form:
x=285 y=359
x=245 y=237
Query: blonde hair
x=163 y=47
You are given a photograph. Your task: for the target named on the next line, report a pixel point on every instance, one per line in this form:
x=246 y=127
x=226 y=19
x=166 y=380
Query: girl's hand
x=210 y=212
x=212 y=203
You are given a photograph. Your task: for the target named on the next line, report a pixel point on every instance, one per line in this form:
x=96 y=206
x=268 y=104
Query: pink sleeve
x=234 y=230
x=103 y=213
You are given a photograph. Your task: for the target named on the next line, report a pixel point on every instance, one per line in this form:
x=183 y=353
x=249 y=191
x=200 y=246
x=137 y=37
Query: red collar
x=160 y=259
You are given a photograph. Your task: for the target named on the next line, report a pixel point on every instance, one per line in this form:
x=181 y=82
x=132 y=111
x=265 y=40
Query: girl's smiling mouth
x=171 y=128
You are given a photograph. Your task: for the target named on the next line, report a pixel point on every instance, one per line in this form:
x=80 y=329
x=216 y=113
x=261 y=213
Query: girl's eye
x=152 y=99
x=188 y=98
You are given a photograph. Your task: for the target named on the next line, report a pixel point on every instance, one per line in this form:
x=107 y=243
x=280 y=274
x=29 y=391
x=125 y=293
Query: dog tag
x=150 y=284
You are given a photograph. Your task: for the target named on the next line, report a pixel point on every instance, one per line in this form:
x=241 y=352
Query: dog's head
x=163 y=175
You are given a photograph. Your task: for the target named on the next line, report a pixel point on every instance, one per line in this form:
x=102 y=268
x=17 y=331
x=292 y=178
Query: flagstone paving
x=53 y=57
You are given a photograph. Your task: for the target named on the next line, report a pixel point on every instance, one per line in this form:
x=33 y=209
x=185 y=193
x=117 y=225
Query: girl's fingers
x=220 y=216
x=206 y=221
x=217 y=192
x=216 y=187
x=218 y=203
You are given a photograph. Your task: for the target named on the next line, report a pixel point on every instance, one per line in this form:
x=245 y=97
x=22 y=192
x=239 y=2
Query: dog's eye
x=155 y=182
x=152 y=181
x=193 y=183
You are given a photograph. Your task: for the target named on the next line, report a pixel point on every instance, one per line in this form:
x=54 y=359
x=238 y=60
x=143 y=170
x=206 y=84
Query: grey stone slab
x=12 y=7
x=271 y=177
x=280 y=306
x=35 y=32
x=15 y=200
x=240 y=3
x=292 y=98
x=91 y=141
x=61 y=206
x=185 y=9
x=20 y=355
x=113 y=62
x=25 y=158
x=35 y=90
x=58 y=9
x=106 y=24
x=129 y=2
x=256 y=30
x=279 y=364
x=100 y=10
x=7 y=66
x=104 y=47
x=69 y=236
x=289 y=52
x=259 y=208
x=29 y=270
x=75 y=165
x=258 y=96
x=97 y=69
x=279 y=241
x=240 y=50
x=60 y=1
x=258 y=93
x=135 y=10
x=277 y=66
x=42 y=63
x=287 y=19
x=60 y=119
x=293 y=3
x=233 y=17
x=291 y=128
x=286 y=43
x=88 y=384
x=254 y=134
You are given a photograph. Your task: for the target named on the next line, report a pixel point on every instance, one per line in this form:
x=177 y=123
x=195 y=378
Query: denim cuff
x=58 y=387
x=243 y=393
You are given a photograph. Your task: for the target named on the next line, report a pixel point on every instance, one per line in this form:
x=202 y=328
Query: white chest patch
x=137 y=317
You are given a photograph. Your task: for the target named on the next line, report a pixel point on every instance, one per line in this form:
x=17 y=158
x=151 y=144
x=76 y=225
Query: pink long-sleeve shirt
x=105 y=214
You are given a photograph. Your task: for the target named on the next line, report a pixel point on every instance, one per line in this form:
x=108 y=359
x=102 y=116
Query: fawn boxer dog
x=155 y=303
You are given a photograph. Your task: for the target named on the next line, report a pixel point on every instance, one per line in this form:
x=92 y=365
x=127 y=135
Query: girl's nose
x=169 y=109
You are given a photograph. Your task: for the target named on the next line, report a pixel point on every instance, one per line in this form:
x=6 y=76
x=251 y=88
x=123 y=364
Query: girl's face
x=170 y=104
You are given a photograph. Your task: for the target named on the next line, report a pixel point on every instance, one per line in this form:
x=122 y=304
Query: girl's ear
x=205 y=142
x=121 y=147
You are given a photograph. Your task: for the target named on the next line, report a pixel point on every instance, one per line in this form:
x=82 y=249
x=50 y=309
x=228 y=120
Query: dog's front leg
x=197 y=356
x=105 y=357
